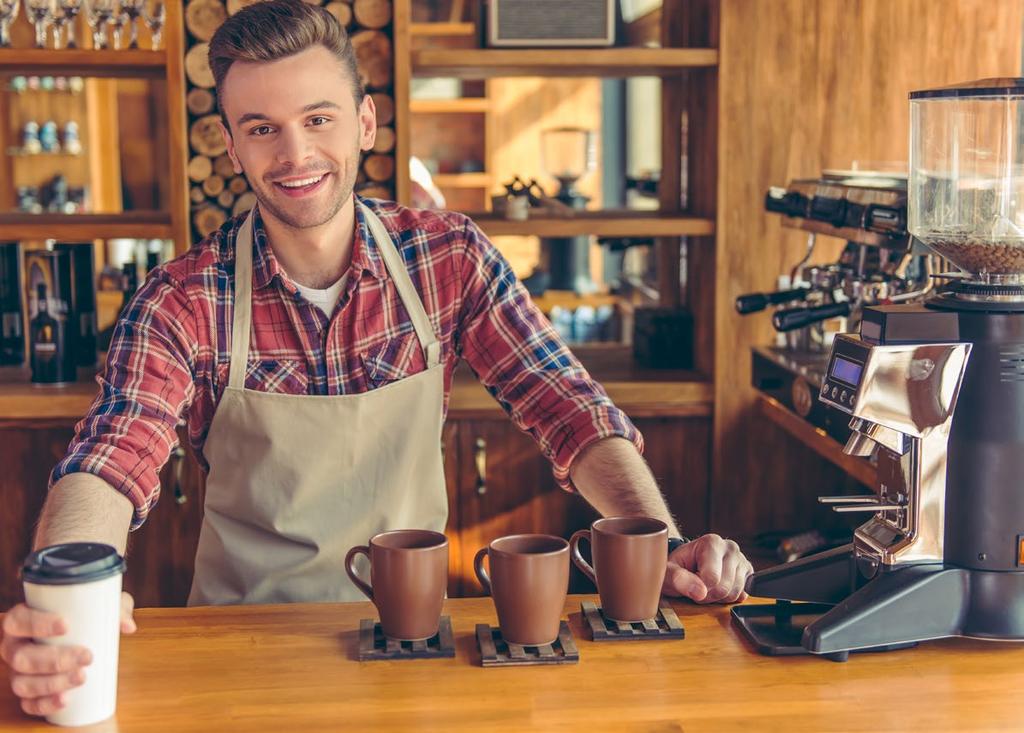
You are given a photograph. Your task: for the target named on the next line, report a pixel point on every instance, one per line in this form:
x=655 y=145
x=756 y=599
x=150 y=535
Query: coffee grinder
x=935 y=392
x=568 y=154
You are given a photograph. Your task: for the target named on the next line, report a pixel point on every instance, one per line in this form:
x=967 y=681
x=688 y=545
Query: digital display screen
x=846 y=371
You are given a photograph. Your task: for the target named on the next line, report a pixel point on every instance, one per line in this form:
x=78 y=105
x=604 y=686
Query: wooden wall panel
x=807 y=85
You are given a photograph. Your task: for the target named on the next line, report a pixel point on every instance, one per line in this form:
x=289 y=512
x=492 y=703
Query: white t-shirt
x=325 y=299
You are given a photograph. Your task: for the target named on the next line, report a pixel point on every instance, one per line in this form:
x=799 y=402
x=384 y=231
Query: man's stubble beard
x=343 y=185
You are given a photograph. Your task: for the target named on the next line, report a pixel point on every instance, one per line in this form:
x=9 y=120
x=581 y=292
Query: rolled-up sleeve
x=147 y=383
x=514 y=351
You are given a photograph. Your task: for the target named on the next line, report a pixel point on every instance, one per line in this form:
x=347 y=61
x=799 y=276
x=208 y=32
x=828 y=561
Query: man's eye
x=260 y=131
x=319 y=121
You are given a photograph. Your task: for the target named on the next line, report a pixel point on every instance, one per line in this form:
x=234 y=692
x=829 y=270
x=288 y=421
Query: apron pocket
x=393 y=360
x=279 y=376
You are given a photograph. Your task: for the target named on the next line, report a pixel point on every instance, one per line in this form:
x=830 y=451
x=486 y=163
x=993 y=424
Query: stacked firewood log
x=217 y=193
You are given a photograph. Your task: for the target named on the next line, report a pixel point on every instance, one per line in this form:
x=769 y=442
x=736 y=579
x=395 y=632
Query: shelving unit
x=127 y=63
x=608 y=223
x=465 y=105
x=611 y=62
x=166 y=66
x=686 y=62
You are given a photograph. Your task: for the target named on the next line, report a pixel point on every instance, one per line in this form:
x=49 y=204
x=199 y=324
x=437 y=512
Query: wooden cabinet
x=505 y=486
x=498 y=483
x=160 y=555
x=26 y=458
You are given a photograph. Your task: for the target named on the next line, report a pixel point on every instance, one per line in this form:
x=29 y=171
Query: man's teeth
x=303 y=182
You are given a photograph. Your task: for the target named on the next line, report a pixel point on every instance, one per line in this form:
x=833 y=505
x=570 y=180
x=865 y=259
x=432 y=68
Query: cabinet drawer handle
x=480 y=457
x=179 y=463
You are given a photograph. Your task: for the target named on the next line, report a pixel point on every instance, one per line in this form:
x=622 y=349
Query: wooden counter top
x=640 y=392
x=294 y=668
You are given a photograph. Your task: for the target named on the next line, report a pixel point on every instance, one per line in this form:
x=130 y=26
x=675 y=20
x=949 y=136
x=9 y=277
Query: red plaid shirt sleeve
x=130 y=430
x=516 y=353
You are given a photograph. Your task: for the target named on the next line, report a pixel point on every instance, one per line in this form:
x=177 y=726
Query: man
x=310 y=346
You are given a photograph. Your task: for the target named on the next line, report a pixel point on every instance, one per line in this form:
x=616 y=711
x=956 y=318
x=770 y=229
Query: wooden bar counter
x=293 y=668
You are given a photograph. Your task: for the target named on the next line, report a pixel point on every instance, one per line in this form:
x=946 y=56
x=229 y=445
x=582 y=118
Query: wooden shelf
x=598 y=223
x=24 y=404
x=465 y=105
x=132 y=63
x=449 y=30
x=137 y=224
x=640 y=392
x=603 y=62
x=462 y=180
x=816 y=439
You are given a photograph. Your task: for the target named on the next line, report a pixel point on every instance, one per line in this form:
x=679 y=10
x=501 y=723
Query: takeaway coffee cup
x=408 y=578
x=529 y=580
x=81 y=581
x=629 y=555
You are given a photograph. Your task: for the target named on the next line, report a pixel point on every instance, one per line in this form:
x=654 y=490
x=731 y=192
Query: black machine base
x=775 y=629
x=865 y=607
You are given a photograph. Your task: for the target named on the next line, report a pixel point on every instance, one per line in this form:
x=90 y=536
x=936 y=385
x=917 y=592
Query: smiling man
x=309 y=345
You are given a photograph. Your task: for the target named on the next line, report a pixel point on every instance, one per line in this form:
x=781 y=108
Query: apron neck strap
x=406 y=290
x=241 y=323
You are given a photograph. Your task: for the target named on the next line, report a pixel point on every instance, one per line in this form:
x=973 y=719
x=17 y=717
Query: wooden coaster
x=373 y=645
x=665 y=625
x=496 y=652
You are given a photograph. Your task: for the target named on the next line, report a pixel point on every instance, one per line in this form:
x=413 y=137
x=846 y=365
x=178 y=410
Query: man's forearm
x=84 y=508
x=615 y=479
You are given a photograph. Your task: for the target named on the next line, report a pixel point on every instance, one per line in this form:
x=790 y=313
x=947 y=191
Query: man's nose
x=293 y=147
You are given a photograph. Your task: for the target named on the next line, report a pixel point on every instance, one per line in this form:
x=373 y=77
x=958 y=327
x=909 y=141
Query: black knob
x=793 y=318
x=754 y=302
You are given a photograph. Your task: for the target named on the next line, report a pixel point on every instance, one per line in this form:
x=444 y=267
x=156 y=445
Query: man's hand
x=707 y=570
x=42 y=673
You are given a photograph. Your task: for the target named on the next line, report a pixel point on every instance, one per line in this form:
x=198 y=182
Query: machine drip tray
x=775 y=629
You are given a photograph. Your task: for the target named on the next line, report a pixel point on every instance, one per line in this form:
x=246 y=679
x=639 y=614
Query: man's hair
x=276 y=29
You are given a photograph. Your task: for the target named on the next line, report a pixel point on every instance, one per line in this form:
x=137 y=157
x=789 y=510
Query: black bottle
x=129 y=284
x=50 y=356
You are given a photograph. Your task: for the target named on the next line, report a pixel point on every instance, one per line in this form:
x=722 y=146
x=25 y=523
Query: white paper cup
x=82 y=583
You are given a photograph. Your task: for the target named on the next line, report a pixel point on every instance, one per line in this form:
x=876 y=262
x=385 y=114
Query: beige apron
x=296 y=480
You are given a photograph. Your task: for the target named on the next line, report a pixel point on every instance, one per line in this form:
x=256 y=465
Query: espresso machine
x=879 y=263
x=935 y=394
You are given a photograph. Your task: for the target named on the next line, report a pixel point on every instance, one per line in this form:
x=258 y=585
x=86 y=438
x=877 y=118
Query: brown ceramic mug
x=629 y=555
x=529 y=580
x=408 y=578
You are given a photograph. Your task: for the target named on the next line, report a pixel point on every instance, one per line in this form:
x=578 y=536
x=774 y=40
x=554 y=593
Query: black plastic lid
x=72 y=563
x=1001 y=86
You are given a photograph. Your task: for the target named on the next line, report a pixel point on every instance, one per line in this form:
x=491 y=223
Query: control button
x=835 y=391
x=824 y=388
x=843 y=396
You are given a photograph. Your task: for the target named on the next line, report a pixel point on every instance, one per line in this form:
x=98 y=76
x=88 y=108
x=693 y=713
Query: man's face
x=296 y=133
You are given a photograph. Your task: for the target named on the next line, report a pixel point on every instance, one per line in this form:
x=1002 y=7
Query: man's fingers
x=43 y=705
x=28 y=623
x=709 y=560
x=726 y=587
x=128 y=625
x=681 y=582
x=27 y=657
x=32 y=686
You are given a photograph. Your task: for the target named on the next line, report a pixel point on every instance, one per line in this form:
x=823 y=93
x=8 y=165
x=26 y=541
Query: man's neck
x=315 y=257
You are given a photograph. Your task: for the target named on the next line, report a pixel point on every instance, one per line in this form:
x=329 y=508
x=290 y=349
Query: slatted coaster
x=665 y=626
x=496 y=652
x=373 y=645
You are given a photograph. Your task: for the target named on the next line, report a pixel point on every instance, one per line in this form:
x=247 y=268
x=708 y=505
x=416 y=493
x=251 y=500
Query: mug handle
x=350 y=568
x=481 y=574
x=577 y=558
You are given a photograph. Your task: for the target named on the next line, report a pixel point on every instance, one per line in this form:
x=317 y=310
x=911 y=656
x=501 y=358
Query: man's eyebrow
x=251 y=116
x=322 y=104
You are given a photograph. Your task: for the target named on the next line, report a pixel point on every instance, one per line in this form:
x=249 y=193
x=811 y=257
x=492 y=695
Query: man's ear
x=367 y=123
x=230 y=143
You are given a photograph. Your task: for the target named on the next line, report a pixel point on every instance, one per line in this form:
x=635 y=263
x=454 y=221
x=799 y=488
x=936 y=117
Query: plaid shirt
x=168 y=359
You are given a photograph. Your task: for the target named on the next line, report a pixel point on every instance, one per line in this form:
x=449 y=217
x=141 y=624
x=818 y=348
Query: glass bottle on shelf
x=50 y=363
